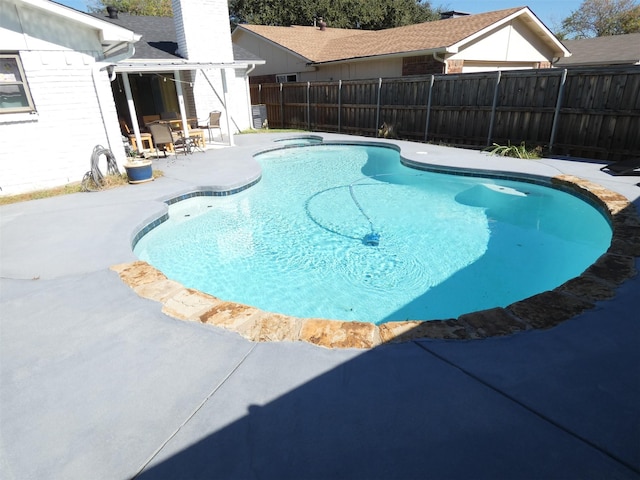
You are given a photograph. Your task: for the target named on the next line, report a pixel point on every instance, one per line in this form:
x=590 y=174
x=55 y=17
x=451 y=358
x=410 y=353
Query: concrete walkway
x=97 y=383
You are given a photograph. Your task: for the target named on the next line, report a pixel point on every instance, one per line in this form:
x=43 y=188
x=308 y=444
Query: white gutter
x=172 y=66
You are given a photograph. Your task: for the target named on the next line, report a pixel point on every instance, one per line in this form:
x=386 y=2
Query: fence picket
x=586 y=112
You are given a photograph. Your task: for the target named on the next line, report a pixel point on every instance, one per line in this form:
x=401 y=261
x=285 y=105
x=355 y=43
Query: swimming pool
x=448 y=244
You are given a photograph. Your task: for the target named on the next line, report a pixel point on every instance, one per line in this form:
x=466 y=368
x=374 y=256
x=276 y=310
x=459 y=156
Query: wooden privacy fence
x=591 y=113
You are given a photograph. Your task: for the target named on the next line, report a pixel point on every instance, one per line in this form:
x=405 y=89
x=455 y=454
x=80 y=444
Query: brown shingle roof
x=308 y=42
x=340 y=44
x=613 y=50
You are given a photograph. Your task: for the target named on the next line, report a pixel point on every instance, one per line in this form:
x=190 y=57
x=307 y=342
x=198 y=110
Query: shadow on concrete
x=398 y=411
x=557 y=403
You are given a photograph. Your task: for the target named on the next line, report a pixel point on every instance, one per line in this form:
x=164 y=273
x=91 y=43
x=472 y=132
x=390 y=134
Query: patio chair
x=630 y=166
x=163 y=136
x=144 y=137
x=213 y=123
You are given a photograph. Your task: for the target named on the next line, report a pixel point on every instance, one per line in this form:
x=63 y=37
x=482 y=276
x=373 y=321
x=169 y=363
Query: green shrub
x=516 y=151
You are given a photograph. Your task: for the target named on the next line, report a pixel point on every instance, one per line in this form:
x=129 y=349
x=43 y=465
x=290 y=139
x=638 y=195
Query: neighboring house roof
x=449 y=35
x=612 y=50
x=159 y=40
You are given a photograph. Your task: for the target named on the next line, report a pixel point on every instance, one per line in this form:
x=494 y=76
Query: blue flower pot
x=139 y=171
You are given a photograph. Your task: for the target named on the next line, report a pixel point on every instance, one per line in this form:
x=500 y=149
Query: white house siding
x=240 y=107
x=474 y=67
x=277 y=60
x=513 y=42
x=356 y=70
x=209 y=95
x=53 y=146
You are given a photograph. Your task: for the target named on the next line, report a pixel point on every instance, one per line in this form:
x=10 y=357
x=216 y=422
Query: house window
x=292 y=77
x=14 y=91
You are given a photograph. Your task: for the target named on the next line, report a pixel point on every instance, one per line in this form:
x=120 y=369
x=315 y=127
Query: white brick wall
x=206 y=100
x=54 y=146
x=202 y=29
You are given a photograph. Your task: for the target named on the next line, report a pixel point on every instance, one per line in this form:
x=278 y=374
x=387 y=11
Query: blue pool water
x=349 y=233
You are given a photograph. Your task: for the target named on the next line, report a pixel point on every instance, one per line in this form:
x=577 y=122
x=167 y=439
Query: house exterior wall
x=280 y=62
x=277 y=60
x=209 y=95
x=421 y=65
x=52 y=146
x=355 y=70
x=513 y=46
x=202 y=30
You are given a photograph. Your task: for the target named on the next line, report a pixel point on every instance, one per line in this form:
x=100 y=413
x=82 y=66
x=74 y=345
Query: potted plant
x=138 y=169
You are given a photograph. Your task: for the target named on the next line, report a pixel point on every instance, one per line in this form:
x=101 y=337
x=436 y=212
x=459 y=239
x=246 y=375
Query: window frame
x=286 y=78
x=22 y=82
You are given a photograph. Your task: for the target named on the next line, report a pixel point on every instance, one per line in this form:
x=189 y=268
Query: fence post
x=426 y=125
x=309 y=106
x=339 y=106
x=556 y=114
x=281 y=107
x=493 y=108
x=377 y=126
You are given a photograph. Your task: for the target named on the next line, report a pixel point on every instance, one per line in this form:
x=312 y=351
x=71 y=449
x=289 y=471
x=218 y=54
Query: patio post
x=225 y=91
x=183 y=111
x=132 y=110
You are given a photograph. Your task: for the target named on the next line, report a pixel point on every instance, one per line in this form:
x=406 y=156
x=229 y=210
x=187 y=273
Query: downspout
x=95 y=69
x=441 y=60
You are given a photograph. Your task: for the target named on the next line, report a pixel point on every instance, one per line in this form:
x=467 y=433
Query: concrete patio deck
x=96 y=382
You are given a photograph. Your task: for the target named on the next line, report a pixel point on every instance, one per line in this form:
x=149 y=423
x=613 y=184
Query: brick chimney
x=202 y=30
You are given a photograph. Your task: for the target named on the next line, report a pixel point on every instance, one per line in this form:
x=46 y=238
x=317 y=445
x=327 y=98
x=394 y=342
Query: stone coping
x=544 y=310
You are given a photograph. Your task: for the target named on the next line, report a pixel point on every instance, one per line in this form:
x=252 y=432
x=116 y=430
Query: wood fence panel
x=461 y=108
x=526 y=107
x=269 y=95
x=595 y=113
x=359 y=107
x=403 y=106
x=600 y=114
x=294 y=97
x=324 y=106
